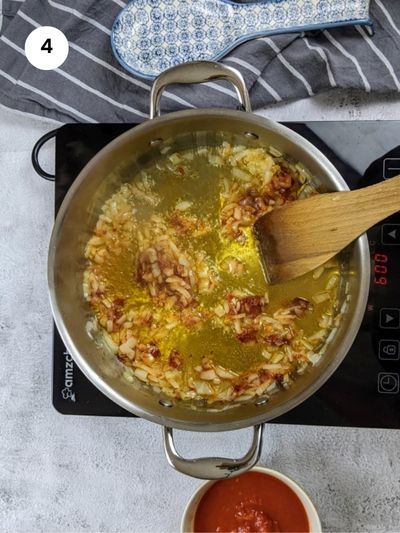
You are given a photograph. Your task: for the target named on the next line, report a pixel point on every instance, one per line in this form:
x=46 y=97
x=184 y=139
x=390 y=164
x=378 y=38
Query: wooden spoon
x=302 y=235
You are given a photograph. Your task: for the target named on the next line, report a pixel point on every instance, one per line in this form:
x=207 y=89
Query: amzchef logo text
x=67 y=392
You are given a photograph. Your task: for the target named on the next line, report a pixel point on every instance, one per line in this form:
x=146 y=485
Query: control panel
x=384 y=301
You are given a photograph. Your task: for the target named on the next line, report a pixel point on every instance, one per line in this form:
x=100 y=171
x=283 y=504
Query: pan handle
x=35 y=155
x=213 y=467
x=198 y=72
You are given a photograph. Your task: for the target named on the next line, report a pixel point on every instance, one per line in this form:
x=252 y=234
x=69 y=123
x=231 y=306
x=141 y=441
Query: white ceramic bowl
x=312 y=515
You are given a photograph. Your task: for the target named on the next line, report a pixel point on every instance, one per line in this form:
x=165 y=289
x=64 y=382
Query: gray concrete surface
x=101 y=474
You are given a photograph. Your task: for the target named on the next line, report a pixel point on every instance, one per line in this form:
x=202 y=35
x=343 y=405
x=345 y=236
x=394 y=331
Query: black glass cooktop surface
x=365 y=390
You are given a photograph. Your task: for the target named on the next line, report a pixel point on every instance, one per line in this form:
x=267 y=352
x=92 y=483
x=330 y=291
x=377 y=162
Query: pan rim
x=360 y=246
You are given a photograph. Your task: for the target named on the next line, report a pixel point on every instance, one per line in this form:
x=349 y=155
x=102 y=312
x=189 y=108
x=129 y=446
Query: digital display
x=380 y=269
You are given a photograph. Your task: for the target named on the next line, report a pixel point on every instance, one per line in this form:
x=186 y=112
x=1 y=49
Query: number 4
x=46 y=46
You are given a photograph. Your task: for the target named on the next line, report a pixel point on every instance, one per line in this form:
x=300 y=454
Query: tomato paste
x=252 y=502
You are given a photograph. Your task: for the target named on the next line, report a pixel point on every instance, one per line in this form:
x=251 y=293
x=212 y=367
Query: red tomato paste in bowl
x=252 y=502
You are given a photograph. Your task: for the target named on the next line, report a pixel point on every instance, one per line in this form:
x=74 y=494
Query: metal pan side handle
x=213 y=467
x=198 y=72
x=35 y=155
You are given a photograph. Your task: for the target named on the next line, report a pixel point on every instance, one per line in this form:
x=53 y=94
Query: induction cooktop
x=365 y=390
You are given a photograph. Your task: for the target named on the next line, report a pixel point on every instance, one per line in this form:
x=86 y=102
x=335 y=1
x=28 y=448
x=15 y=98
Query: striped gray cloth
x=92 y=87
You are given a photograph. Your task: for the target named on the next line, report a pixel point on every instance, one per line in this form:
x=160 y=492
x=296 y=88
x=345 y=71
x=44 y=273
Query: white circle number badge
x=46 y=48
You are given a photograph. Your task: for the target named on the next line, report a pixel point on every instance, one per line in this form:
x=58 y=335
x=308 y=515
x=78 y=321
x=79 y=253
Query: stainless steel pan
x=118 y=162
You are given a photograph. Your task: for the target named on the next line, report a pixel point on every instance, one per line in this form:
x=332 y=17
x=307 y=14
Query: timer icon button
x=391 y=234
x=389 y=350
x=388 y=383
x=389 y=318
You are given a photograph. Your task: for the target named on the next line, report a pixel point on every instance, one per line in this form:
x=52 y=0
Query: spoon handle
x=383 y=198
x=365 y=207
